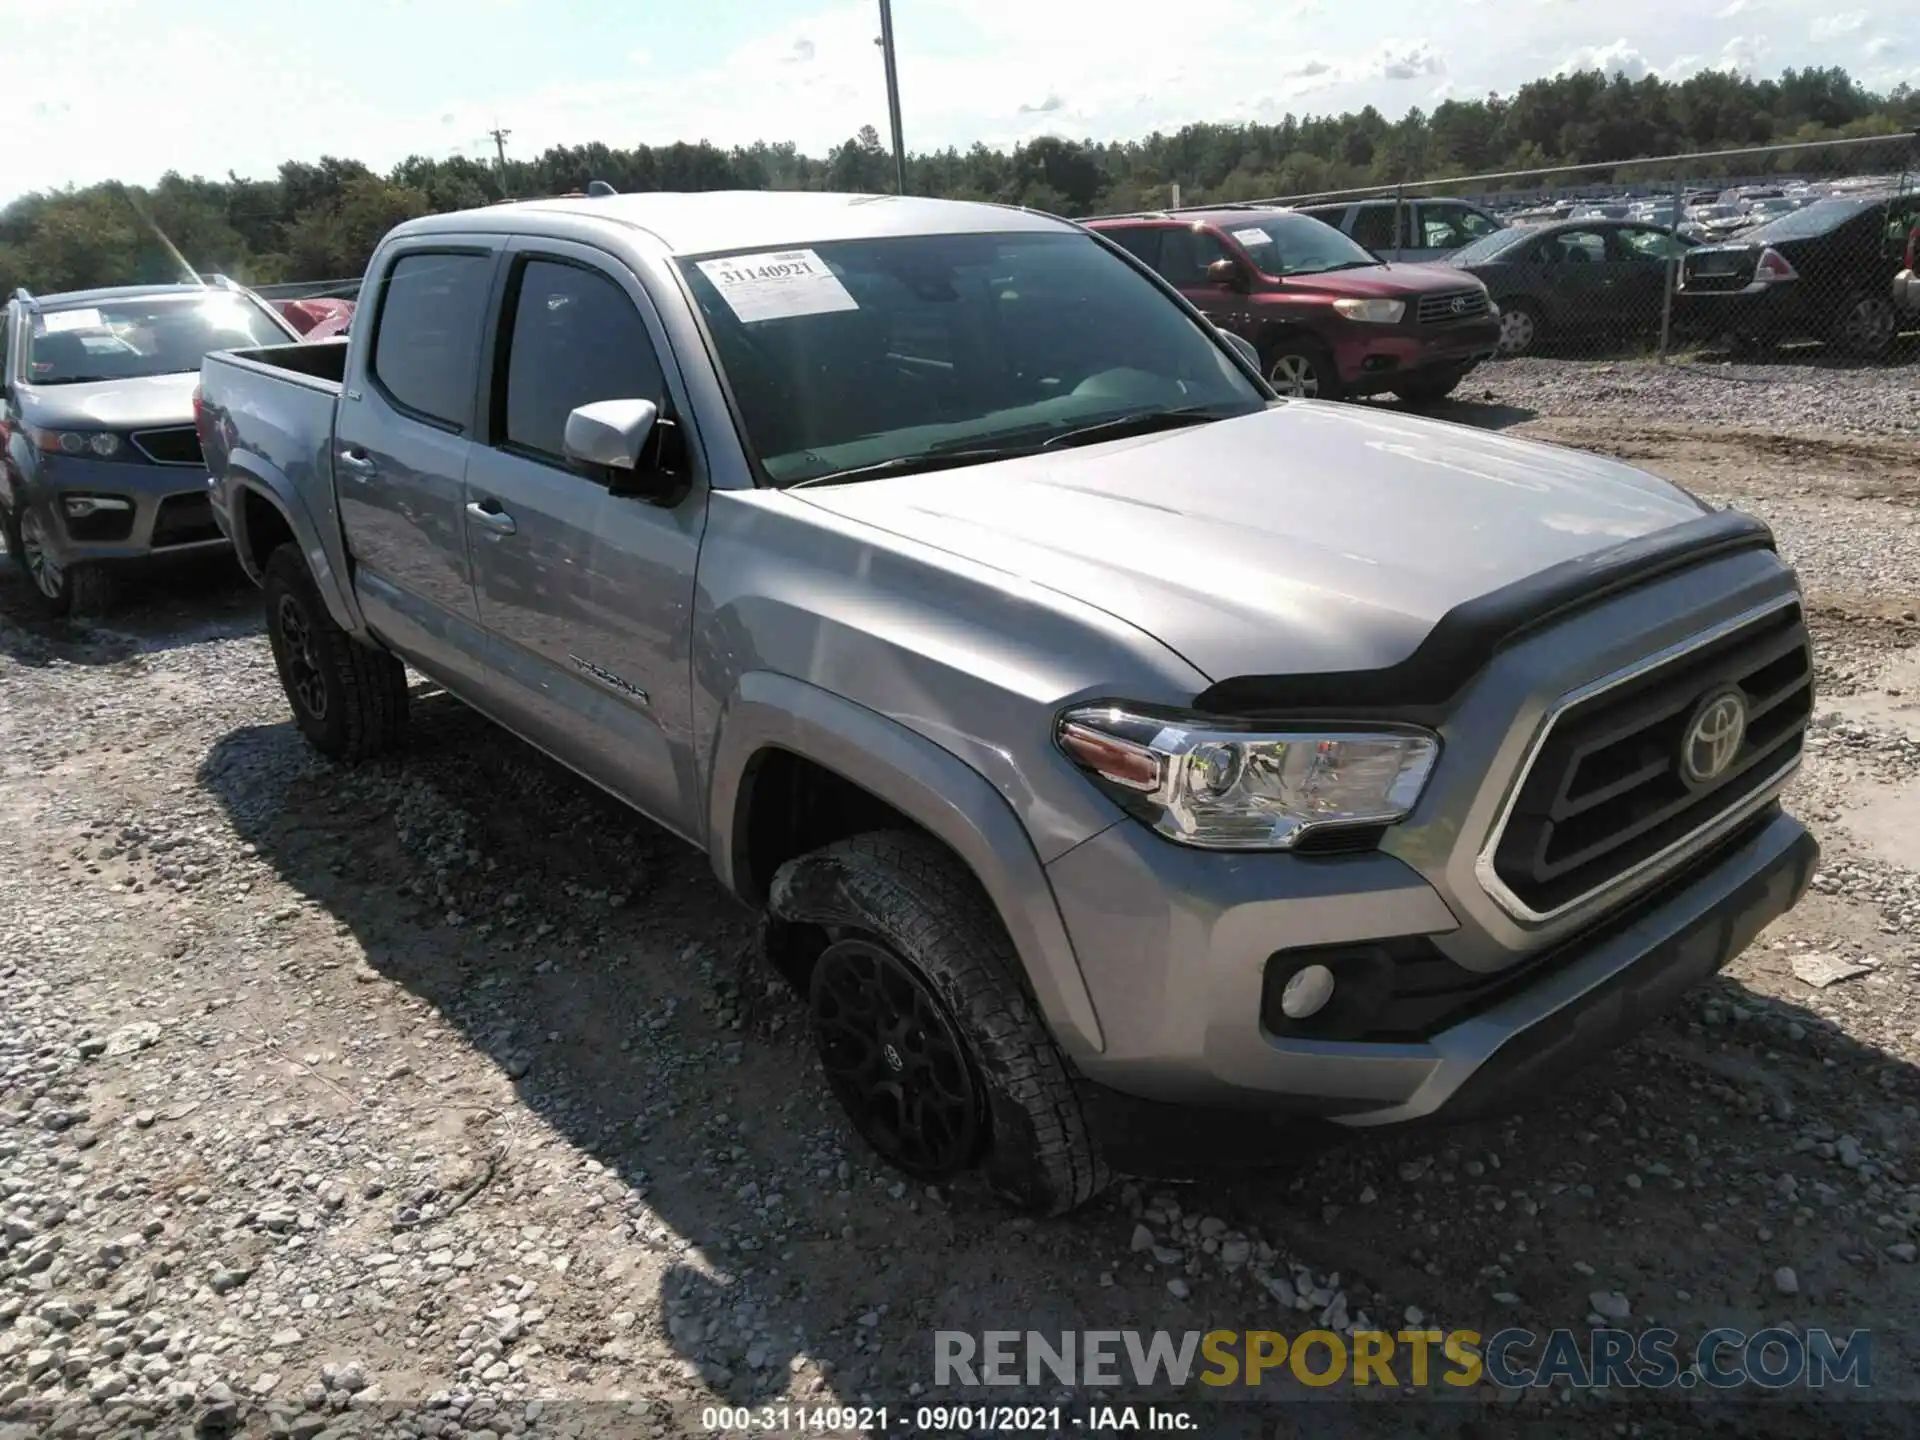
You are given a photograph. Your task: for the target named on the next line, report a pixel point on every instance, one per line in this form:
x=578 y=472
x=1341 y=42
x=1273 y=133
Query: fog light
x=1307 y=992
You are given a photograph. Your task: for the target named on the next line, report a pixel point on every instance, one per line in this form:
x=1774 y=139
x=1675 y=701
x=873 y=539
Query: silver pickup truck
x=1135 y=770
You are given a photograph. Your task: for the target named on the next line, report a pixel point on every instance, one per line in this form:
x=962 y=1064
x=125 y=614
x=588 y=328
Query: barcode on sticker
x=778 y=285
x=1253 y=235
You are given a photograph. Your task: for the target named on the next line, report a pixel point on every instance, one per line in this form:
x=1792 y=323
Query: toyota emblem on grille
x=1714 y=736
x=1460 y=303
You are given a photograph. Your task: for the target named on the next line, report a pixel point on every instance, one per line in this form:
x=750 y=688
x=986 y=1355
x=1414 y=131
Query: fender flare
x=248 y=474
x=948 y=798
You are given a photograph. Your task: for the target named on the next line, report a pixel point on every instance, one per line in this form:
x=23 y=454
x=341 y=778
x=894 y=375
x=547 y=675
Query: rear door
x=404 y=426
x=588 y=596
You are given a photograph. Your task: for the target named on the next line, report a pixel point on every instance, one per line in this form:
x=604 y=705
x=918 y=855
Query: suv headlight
x=100 y=444
x=1374 y=312
x=1220 y=785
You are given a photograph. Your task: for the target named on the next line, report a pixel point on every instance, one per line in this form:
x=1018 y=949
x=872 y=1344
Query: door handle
x=495 y=519
x=354 y=459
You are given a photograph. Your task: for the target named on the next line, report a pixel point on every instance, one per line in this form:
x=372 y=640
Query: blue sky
x=131 y=88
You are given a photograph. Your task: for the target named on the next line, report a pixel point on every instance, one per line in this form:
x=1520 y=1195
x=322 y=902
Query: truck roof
x=697 y=222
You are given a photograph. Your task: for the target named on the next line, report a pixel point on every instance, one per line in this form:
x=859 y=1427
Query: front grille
x=176 y=445
x=1454 y=305
x=1607 y=791
x=184 y=520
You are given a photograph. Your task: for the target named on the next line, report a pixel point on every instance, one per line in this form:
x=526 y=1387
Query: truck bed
x=321 y=364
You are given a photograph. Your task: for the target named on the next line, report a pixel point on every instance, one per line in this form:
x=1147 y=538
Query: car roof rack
x=25 y=297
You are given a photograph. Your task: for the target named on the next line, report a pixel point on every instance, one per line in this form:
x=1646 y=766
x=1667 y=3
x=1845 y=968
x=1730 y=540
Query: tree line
x=321 y=220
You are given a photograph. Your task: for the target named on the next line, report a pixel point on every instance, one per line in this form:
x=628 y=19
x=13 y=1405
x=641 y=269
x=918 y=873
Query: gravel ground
x=444 y=1096
x=1792 y=392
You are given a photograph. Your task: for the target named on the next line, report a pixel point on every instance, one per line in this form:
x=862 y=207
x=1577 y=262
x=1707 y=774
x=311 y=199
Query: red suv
x=1329 y=319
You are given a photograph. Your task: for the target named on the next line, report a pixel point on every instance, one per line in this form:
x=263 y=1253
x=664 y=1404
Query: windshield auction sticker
x=58 y=321
x=777 y=286
x=1253 y=235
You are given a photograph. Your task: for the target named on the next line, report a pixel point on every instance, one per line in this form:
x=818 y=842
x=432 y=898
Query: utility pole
x=499 y=138
x=885 y=42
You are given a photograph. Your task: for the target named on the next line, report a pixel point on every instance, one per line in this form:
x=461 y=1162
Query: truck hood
x=1309 y=537
x=123 y=405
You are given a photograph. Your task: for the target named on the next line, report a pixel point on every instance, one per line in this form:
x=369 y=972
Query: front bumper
x=1375 y=357
x=1126 y=890
x=167 y=510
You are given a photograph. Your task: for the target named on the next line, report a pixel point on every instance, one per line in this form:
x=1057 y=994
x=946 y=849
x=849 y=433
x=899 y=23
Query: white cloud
x=1833 y=27
x=1730 y=9
x=1403 y=61
x=1881 y=45
x=1742 y=53
x=1618 y=58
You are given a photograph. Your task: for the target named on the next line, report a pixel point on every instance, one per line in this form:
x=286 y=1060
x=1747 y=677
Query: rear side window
x=1373 y=227
x=576 y=338
x=429 y=333
x=1142 y=243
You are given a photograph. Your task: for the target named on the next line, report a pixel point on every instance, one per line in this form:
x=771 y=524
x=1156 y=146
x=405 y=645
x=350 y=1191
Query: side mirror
x=1245 y=347
x=623 y=443
x=1227 y=275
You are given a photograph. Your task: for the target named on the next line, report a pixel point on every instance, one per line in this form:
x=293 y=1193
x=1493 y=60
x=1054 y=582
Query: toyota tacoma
x=1117 y=751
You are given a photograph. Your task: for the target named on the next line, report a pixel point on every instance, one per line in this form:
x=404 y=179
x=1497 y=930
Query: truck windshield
x=151 y=335
x=853 y=354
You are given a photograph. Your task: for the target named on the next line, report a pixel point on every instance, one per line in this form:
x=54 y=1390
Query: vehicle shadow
x=1465 y=408
x=595 y=963
x=154 y=610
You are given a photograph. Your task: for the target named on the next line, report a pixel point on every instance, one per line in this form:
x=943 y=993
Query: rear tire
x=1301 y=368
x=83 y=591
x=349 y=699
x=1521 y=326
x=927 y=1037
x=1866 y=326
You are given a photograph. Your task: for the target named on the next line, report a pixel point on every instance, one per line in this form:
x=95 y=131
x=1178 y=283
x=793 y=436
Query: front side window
x=1648 y=244
x=575 y=339
x=133 y=338
x=429 y=332
x=1575 y=247
x=1185 y=255
x=902 y=349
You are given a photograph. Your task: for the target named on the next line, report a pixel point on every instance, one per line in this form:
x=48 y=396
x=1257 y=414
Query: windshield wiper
x=917 y=464
x=1143 y=422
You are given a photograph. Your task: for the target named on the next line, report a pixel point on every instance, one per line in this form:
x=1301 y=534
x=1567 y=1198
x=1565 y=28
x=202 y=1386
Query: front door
x=400 y=454
x=588 y=596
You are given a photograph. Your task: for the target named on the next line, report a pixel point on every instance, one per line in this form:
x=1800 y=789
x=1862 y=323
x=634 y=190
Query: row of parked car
x=1135 y=767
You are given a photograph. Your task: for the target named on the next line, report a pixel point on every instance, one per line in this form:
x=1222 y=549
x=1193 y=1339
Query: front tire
x=349 y=699
x=927 y=1038
x=57 y=591
x=1301 y=368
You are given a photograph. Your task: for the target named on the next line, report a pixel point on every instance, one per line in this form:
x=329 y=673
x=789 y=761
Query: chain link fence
x=1799 y=249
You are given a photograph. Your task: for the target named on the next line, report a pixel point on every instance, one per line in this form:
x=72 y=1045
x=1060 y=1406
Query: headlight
x=1225 y=786
x=1374 y=312
x=101 y=444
